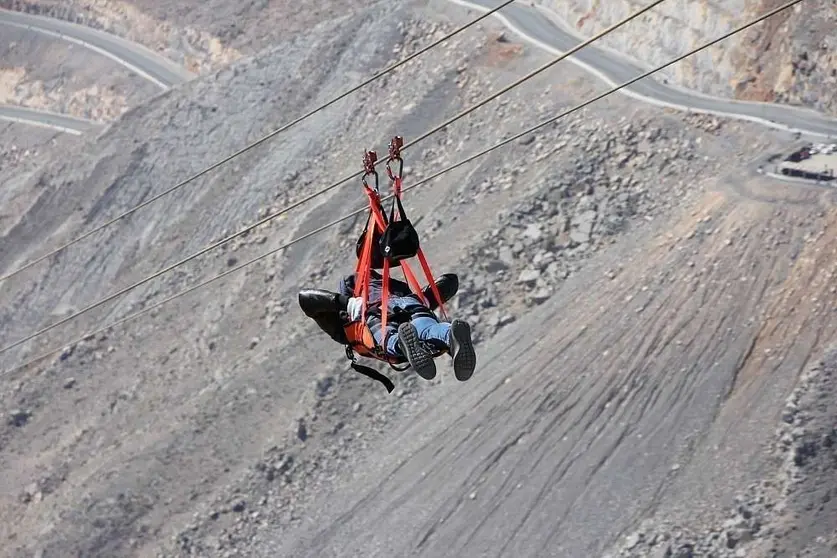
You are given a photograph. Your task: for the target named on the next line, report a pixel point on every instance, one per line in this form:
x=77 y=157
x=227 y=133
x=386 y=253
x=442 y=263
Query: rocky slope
x=202 y=36
x=790 y=512
x=42 y=73
x=791 y=59
x=156 y=410
x=635 y=292
x=348 y=414
x=654 y=392
x=23 y=149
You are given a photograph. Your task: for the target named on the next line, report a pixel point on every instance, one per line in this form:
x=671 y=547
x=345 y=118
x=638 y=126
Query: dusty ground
x=671 y=304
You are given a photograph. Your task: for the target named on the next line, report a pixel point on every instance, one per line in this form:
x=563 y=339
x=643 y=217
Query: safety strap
x=369 y=372
x=363 y=271
x=396 y=180
x=433 y=287
x=384 y=304
x=377 y=220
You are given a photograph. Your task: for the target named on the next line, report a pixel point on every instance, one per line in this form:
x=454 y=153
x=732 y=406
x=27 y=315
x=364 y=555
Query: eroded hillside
x=644 y=303
x=793 y=59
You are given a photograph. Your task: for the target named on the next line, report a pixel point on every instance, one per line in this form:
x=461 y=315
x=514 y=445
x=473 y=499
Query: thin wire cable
x=416 y=185
x=206 y=249
x=528 y=76
x=258 y=142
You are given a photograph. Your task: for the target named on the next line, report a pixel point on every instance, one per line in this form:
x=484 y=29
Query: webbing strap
x=433 y=287
x=408 y=273
x=413 y=282
x=373 y=374
x=364 y=267
x=384 y=305
x=366 y=271
x=359 y=266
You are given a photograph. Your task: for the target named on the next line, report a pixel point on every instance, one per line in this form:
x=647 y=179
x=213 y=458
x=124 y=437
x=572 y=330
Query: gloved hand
x=354 y=307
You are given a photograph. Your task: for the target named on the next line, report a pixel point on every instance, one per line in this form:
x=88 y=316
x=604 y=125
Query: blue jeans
x=429 y=329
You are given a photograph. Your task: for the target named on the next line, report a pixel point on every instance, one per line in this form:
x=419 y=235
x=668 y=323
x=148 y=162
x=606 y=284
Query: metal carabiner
x=395 y=145
x=369 y=160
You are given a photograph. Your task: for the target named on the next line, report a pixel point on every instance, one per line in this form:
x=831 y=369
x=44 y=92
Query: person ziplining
x=381 y=317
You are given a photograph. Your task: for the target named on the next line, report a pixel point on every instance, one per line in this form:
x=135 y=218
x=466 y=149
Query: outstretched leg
x=405 y=343
x=462 y=350
x=455 y=337
x=417 y=355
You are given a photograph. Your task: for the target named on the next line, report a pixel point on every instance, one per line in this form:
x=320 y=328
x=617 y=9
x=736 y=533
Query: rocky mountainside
x=792 y=60
x=202 y=36
x=645 y=307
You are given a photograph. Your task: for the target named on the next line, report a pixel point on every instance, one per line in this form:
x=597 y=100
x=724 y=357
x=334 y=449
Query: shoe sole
x=465 y=360
x=420 y=360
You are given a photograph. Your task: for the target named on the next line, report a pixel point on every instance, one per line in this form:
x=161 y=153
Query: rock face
x=792 y=58
x=213 y=426
x=568 y=214
x=792 y=513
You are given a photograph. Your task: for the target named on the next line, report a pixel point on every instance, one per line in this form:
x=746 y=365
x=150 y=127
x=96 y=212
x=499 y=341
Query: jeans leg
x=428 y=329
x=392 y=347
x=433 y=331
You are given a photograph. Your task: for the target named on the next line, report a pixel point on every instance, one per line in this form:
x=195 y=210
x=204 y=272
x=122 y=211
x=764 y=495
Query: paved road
x=144 y=62
x=137 y=58
x=528 y=22
x=533 y=26
x=46 y=119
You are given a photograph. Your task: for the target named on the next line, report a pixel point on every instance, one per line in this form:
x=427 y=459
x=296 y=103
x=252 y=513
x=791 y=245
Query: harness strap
x=363 y=270
x=413 y=282
x=433 y=287
x=373 y=374
x=385 y=305
x=359 y=264
x=408 y=273
x=369 y=372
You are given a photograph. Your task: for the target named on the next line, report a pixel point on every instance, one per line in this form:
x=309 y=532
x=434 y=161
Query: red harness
x=373 y=238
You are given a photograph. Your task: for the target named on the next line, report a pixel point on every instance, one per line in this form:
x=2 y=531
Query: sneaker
x=420 y=360
x=462 y=350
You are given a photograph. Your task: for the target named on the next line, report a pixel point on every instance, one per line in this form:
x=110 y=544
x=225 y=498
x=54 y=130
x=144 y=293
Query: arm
x=324 y=308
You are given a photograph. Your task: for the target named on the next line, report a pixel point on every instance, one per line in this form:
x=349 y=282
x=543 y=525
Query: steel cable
x=256 y=143
x=417 y=184
x=272 y=216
